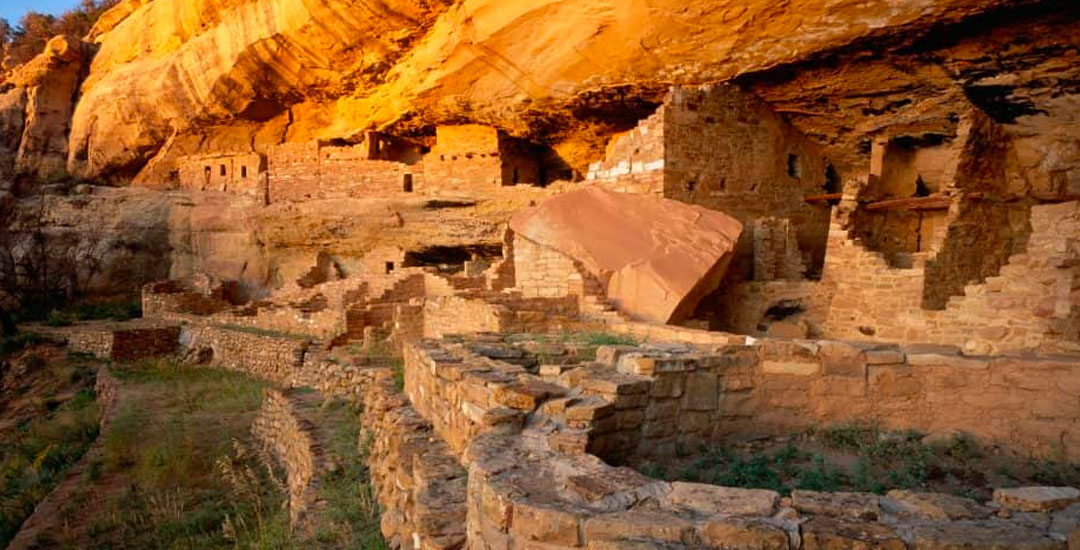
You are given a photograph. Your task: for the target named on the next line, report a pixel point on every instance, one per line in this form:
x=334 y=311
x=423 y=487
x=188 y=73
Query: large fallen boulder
x=657 y=258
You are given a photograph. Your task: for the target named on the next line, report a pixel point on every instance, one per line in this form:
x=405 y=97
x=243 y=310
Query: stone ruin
x=766 y=296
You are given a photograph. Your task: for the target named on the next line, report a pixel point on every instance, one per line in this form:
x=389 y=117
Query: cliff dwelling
x=525 y=275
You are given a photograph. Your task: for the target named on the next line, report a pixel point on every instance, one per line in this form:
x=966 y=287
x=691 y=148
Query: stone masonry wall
x=540 y=271
x=240 y=173
x=304 y=171
x=464 y=158
x=124 y=341
x=634 y=161
x=276 y=358
x=278 y=428
x=525 y=439
x=727 y=150
x=1031 y=304
x=532 y=483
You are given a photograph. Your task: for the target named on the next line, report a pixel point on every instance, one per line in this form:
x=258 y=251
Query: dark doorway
x=408 y=186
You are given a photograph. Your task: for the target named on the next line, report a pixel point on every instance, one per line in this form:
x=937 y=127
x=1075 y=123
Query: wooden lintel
x=824 y=198
x=934 y=202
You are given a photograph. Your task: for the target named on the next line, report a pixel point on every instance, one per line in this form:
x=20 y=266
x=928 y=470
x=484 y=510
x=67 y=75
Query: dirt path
x=47 y=517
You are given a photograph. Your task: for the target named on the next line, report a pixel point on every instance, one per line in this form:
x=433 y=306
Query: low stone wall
x=420 y=484
x=279 y=430
x=171 y=300
x=276 y=358
x=124 y=341
x=533 y=487
x=497 y=312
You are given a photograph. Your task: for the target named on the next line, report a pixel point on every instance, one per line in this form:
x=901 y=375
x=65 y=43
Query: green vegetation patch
x=178 y=469
x=351 y=518
x=864 y=457
x=50 y=419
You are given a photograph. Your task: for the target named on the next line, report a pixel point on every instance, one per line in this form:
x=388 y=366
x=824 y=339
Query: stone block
x=790 y=368
x=545 y=522
x=1036 y=499
x=589 y=410
x=609 y=355
x=884 y=357
x=651 y=525
x=702 y=391
x=989 y=534
x=837 y=534
x=862 y=506
x=936 y=506
x=526 y=396
x=938 y=360
x=742 y=534
x=668 y=385
x=711 y=500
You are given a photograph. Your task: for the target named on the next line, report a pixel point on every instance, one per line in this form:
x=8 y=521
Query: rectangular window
x=408 y=183
x=222 y=170
x=389 y=266
x=243 y=172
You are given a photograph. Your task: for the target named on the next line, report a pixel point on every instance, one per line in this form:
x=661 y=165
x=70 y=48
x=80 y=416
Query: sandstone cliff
x=336 y=67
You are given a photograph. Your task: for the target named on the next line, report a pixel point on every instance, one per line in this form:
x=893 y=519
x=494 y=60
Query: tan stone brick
x=836 y=504
x=545 y=523
x=790 y=368
x=742 y=534
x=710 y=500
x=835 y=534
x=652 y=525
x=702 y=391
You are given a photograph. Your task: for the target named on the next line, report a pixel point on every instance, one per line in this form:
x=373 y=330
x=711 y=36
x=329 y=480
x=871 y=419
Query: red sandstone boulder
x=657 y=258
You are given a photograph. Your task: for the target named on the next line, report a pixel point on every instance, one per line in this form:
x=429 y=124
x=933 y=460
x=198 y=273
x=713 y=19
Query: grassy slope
x=48 y=419
x=177 y=468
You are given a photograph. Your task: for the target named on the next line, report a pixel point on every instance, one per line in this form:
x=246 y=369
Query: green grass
x=38 y=453
x=351 y=518
x=176 y=469
x=866 y=458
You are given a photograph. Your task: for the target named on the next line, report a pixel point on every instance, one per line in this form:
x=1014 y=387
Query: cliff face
x=36 y=109
x=332 y=68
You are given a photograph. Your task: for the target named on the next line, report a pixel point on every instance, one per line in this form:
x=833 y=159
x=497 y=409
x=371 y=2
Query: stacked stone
x=276 y=358
x=634 y=162
x=419 y=482
x=290 y=440
x=544 y=272
x=1030 y=304
x=293 y=168
x=126 y=341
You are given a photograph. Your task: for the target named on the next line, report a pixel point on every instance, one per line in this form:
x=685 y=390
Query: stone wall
x=464 y=158
x=634 y=161
x=727 y=150
x=722 y=148
x=240 y=173
x=124 y=341
x=544 y=272
x=526 y=440
x=307 y=171
x=419 y=482
x=276 y=358
x=175 y=300
x=497 y=312
x=280 y=430
x=1029 y=305
x=531 y=481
